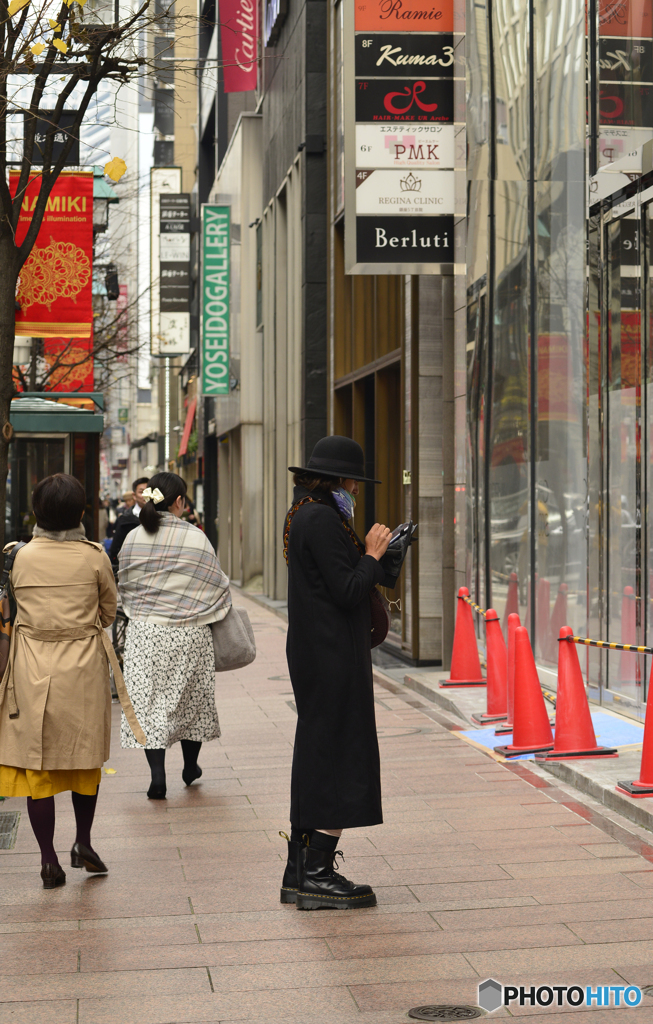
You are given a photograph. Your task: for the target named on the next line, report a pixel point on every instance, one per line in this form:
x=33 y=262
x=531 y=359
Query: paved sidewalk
x=481 y=870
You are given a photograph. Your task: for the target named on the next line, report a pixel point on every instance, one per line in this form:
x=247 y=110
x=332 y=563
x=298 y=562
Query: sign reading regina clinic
x=215 y=299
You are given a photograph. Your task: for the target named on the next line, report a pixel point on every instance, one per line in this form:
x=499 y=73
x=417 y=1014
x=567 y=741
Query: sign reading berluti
x=400 y=140
x=215 y=299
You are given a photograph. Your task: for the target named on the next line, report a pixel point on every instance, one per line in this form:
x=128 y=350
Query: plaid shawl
x=172 y=577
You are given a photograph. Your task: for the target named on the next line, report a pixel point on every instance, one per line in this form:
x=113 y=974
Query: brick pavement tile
x=400 y=996
x=220 y=1006
x=575 y=867
x=613 y=930
x=570 y=913
x=608 y=849
x=407 y=944
x=570 y=958
x=339 y=972
x=545 y=890
x=57 y=1011
x=472 y=855
x=205 y=954
x=134 y=984
x=237 y=928
x=642 y=878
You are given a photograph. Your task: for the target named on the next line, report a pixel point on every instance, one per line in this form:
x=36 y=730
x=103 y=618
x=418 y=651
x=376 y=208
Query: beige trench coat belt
x=74 y=633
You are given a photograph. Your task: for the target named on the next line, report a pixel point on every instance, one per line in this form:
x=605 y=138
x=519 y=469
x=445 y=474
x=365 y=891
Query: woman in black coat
x=336 y=780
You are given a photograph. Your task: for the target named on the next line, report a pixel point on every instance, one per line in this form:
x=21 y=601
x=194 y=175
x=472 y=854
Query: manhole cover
x=8 y=828
x=444 y=1012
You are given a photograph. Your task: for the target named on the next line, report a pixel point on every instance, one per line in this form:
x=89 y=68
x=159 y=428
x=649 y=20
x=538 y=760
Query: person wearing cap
x=336 y=779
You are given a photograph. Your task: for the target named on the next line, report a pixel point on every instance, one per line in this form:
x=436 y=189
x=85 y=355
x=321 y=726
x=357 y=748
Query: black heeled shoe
x=53 y=876
x=156 y=792
x=82 y=857
x=190 y=775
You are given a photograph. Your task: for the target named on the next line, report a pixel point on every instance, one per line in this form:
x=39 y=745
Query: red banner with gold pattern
x=55 y=284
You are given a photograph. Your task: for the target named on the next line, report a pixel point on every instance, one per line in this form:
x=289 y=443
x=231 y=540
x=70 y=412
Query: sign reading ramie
x=215 y=299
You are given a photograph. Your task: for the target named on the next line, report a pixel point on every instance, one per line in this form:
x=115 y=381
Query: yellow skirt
x=39 y=784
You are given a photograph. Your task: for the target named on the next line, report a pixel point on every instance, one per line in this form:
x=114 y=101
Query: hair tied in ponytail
x=163 y=491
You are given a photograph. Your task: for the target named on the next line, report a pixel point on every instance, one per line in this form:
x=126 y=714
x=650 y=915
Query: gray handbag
x=233 y=641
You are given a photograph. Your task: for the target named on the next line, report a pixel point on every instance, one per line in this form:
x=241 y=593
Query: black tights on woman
x=157 y=762
x=42 y=819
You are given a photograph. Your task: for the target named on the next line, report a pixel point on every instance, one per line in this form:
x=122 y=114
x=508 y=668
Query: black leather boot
x=290 y=883
x=321 y=887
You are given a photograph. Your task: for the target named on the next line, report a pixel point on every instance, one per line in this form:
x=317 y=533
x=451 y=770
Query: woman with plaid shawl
x=172 y=589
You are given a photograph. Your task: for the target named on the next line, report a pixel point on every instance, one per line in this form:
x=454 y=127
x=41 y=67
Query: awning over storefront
x=188 y=426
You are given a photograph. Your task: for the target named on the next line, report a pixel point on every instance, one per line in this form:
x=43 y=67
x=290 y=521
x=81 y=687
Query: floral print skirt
x=170 y=677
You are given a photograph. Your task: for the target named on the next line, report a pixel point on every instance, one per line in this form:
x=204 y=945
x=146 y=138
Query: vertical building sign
x=625 y=77
x=174 y=273
x=400 y=197
x=215 y=299
x=163 y=180
x=239 y=38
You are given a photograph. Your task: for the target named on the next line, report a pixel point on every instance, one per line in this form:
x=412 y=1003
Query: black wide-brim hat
x=337 y=457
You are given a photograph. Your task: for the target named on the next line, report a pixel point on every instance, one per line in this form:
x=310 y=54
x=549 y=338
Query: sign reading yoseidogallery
x=401 y=195
x=215 y=299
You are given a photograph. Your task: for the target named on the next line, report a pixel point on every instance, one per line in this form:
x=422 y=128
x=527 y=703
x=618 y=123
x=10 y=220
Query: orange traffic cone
x=532 y=733
x=628 y=661
x=644 y=784
x=508 y=725
x=465 y=663
x=575 y=736
x=497 y=672
x=558 y=620
x=512 y=601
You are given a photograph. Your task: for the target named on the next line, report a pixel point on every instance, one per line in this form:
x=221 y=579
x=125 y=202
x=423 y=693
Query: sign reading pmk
x=215 y=299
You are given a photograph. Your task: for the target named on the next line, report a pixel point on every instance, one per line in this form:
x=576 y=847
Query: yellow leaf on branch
x=16 y=5
x=55 y=25
x=115 y=168
x=60 y=45
x=37 y=49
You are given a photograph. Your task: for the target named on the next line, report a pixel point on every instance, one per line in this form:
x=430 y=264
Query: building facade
x=557 y=446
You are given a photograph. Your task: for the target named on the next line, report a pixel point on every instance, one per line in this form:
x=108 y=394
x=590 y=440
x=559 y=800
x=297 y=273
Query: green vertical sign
x=215 y=299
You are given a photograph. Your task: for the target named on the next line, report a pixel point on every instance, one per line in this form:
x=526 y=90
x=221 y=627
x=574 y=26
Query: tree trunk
x=8 y=278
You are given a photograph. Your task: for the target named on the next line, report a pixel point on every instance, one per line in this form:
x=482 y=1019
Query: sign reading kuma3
x=215 y=299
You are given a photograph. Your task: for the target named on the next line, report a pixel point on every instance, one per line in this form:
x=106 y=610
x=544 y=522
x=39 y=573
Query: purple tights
x=41 y=816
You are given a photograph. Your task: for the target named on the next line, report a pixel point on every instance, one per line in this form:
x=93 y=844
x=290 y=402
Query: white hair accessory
x=153 y=495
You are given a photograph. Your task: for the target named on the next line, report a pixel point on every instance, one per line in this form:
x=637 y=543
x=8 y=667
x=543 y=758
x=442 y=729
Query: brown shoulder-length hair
x=314 y=482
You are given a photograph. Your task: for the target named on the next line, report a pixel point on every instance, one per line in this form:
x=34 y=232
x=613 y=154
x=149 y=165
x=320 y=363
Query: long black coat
x=336 y=779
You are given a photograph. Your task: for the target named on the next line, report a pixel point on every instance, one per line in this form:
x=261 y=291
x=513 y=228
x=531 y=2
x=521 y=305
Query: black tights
x=42 y=818
x=157 y=760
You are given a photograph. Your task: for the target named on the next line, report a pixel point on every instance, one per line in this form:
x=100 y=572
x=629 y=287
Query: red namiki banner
x=239 y=37
x=56 y=281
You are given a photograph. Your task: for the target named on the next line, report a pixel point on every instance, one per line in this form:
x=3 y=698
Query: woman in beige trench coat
x=55 y=697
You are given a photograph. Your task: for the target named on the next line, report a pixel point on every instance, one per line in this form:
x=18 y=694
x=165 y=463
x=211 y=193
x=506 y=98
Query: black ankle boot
x=321 y=887
x=290 y=883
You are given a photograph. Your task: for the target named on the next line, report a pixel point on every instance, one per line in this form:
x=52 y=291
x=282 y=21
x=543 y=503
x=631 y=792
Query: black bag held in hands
x=395 y=556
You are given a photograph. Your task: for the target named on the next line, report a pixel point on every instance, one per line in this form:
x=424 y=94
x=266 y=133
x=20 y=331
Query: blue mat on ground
x=610 y=732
